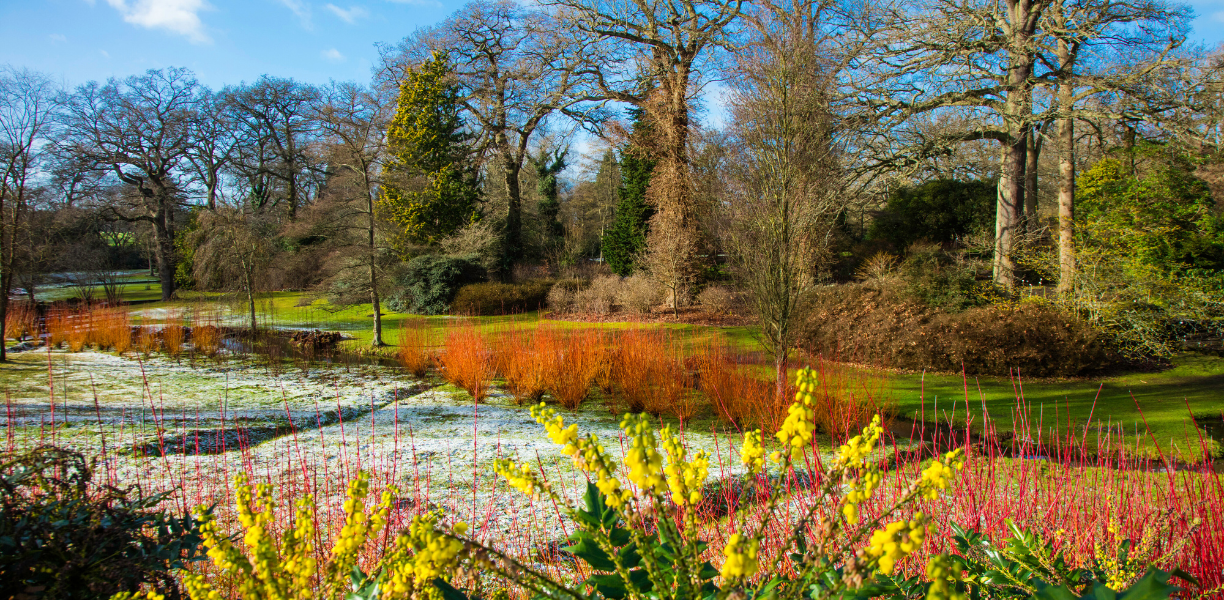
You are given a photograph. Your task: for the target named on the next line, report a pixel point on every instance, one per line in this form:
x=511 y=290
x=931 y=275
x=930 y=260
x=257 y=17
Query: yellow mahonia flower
x=896 y=541
x=643 y=458
x=422 y=555
x=521 y=477
x=944 y=575
x=752 y=455
x=939 y=475
x=684 y=478
x=855 y=452
x=861 y=490
x=796 y=431
x=741 y=557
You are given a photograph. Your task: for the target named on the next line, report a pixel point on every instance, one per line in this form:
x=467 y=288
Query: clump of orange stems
x=20 y=320
x=147 y=341
x=415 y=352
x=467 y=361
x=205 y=334
x=648 y=371
x=575 y=364
x=739 y=398
x=111 y=330
x=172 y=338
x=77 y=326
x=57 y=323
x=525 y=361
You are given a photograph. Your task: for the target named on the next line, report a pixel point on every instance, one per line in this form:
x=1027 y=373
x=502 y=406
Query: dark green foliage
x=858 y=324
x=429 y=283
x=547 y=167
x=490 y=299
x=940 y=211
x=63 y=536
x=936 y=278
x=626 y=237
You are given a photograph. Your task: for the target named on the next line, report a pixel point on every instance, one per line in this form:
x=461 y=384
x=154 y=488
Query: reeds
x=468 y=361
x=415 y=351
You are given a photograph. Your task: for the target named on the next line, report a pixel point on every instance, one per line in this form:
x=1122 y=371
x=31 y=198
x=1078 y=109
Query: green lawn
x=1196 y=380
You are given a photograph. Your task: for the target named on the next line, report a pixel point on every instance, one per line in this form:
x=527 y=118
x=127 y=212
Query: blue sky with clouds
x=229 y=41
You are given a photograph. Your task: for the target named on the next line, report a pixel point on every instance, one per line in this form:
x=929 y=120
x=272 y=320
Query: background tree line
x=1069 y=144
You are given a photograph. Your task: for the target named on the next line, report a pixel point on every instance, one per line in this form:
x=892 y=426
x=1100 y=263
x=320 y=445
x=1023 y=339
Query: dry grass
x=415 y=352
x=467 y=361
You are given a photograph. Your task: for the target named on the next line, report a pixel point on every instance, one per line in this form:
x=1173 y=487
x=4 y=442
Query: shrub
x=856 y=324
x=430 y=282
x=467 y=361
x=600 y=297
x=64 y=536
x=562 y=298
x=525 y=361
x=415 y=351
x=637 y=294
x=649 y=374
x=942 y=279
x=575 y=365
x=20 y=320
x=483 y=299
x=720 y=299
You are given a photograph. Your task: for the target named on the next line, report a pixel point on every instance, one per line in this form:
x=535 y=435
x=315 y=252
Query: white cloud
x=302 y=10
x=58 y=38
x=333 y=55
x=105 y=54
x=177 y=16
x=349 y=16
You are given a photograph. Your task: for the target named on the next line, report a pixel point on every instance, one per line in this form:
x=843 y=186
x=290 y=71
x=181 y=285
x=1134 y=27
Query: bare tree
x=779 y=218
x=28 y=105
x=140 y=130
x=652 y=54
x=217 y=145
x=353 y=121
x=273 y=117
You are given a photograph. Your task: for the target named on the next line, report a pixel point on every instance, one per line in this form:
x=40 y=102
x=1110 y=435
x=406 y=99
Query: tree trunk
x=163 y=250
x=1032 y=155
x=514 y=208
x=378 y=341
x=1009 y=212
x=1066 y=179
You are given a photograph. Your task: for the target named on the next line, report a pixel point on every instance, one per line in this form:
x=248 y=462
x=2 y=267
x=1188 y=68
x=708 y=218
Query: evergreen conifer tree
x=431 y=188
x=626 y=238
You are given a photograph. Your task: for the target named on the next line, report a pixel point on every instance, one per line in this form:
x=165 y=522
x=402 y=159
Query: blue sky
x=229 y=41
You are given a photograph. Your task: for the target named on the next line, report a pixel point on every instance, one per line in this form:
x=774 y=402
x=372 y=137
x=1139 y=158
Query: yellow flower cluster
x=855 y=452
x=520 y=477
x=684 y=478
x=149 y=595
x=588 y=454
x=290 y=573
x=752 y=455
x=796 y=431
x=944 y=575
x=357 y=525
x=741 y=557
x=896 y=541
x=939 y=475
x=860 y=492
x=434 y=554
x=643 y=458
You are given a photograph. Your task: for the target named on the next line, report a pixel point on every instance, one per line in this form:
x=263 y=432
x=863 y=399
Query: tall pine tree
x=431 y=189
x=626 y=238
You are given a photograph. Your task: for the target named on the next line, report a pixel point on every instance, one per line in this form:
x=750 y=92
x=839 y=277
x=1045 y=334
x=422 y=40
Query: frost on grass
x=306 y=431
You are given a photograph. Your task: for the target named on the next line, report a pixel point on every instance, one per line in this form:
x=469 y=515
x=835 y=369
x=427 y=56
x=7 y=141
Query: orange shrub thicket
x=525 y=362
x=57 y=325
x=576 y=363
x=172 y=337
x=147 y=340
x=77 y=327
x=111 y=330
x=649 y=373
x=745 y=401
x=20 y=321
x=415 y=352
x=467 y=361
